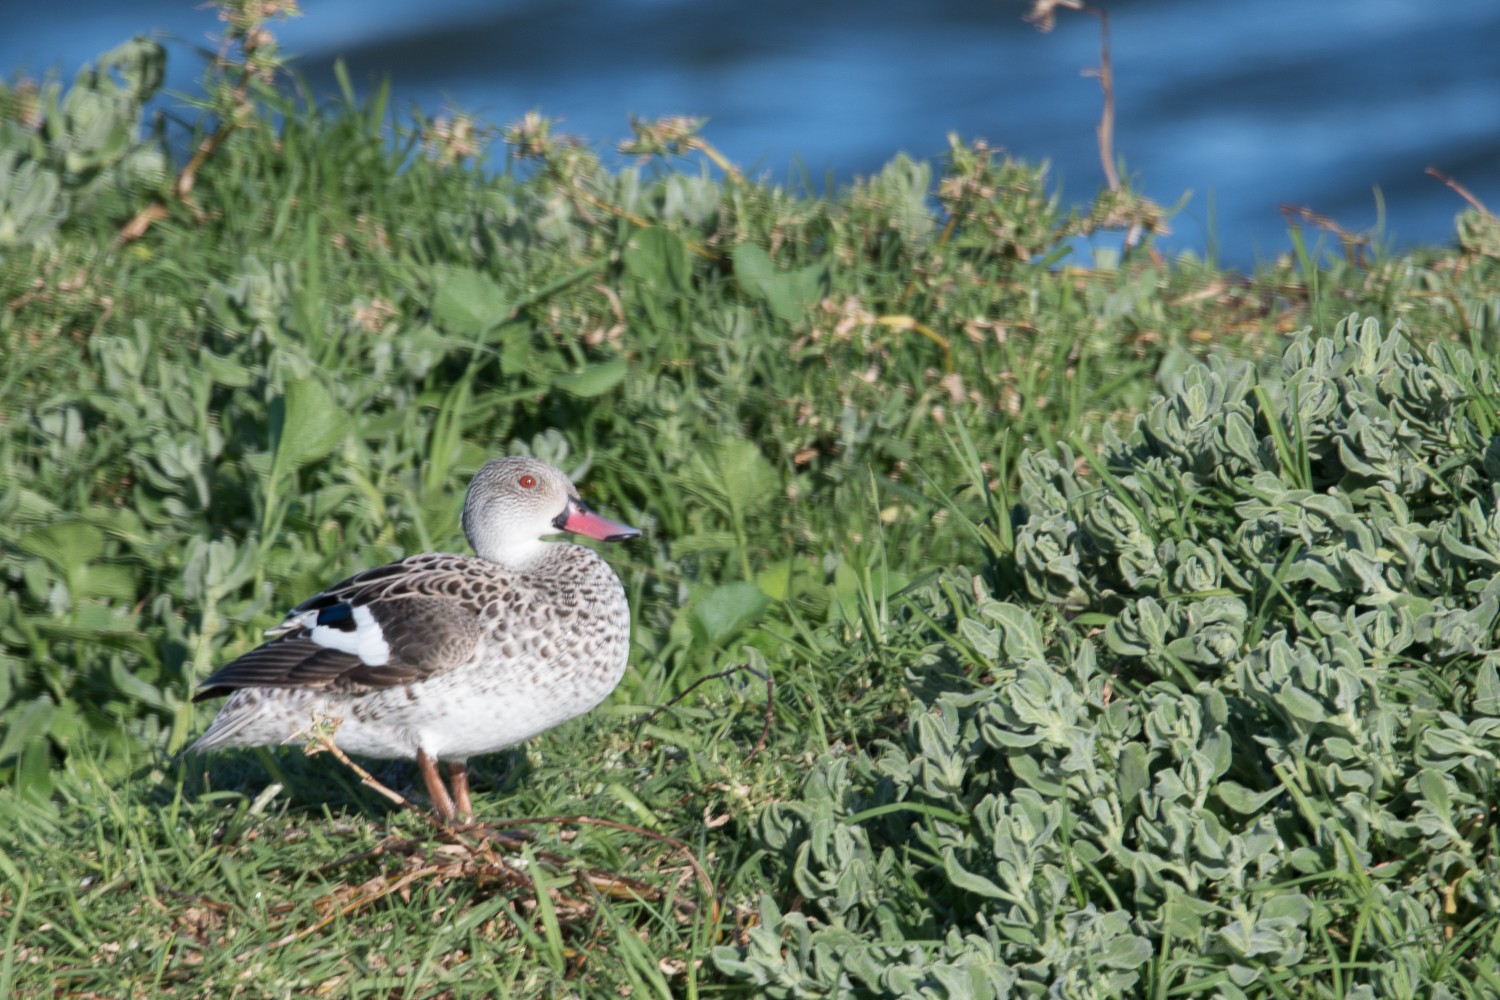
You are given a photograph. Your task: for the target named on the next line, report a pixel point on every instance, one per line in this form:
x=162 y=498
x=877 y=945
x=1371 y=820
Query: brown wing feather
x=290 y=662
x=427 y=636
x=420 y=574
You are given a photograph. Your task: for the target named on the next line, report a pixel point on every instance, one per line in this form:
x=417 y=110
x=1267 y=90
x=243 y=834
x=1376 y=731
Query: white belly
x=473 y=710
x=452 y=719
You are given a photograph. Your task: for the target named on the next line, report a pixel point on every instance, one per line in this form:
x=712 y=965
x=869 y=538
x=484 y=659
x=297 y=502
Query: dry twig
x=323 y=742
x=765 y=732
x=698 y=869
x=1044 y=15
x=1462 y=191
x=1354 y=243
x=477 y=860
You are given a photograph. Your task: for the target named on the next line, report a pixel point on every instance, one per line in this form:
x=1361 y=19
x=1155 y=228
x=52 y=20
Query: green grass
x=808 y=402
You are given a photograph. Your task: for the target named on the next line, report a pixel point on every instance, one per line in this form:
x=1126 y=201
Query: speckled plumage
x=478 y=655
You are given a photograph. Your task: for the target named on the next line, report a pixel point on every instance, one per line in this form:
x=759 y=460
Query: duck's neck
x=518 y=556
x=533 y=556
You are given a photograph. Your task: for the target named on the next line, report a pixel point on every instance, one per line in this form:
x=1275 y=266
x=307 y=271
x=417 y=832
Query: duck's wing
x=396 y=624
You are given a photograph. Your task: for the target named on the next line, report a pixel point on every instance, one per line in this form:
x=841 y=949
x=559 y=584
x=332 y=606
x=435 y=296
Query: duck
x=438 y=657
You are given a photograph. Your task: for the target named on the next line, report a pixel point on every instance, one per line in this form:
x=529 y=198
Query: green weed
x=215 y=402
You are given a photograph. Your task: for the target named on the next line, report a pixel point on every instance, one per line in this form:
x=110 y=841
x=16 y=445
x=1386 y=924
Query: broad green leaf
x=305 y=426
x=707 y=541
x=985 y=640
x=1027 y=769
x=1301 y=704
x=33 y=724
x=132 y=686
x=1487 y=689
x=33 y=778
x=1434 y=790
x=1153 y=622
x=1134 y=775
x=595 y=380
x=967 y=880
x=104 y=580
x=97 y=617
x=516 y=354
x=1241 y=439
x=470 y=303
x=225 y=371
x=659 y=258
x=68 y=545
x=1181 y=921
x=1455 y=545
x=1118 y=641
x=727 y=609
x=1126 y=952
x=1292 y=906
x=1241 y=799
x=1023 y=637
x=1218 y=747
x=776 y=580
x=789 y=294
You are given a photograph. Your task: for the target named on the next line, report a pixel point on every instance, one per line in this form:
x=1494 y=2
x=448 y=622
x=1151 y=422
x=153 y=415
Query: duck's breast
x=555 y=645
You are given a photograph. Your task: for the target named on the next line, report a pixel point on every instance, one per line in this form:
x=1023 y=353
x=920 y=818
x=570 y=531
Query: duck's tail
x=232 y=726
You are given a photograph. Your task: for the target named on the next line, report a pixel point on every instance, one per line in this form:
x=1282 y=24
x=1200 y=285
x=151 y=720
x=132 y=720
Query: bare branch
x=1043 y=14
x=1463 y=192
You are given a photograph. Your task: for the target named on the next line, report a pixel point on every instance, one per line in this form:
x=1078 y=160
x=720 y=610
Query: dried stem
x=1354 y=243
x=910 y=323
x=765 y=732
x=1044 y=15
x=251 y=36
x=1462 y=191
x=698 y=869
x=395 y=884
x=707 y=149
x=1106 y=75
x=325 y=742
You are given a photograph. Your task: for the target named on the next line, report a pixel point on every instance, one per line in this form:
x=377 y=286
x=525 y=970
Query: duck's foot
x=436 y=790
x=458 y=777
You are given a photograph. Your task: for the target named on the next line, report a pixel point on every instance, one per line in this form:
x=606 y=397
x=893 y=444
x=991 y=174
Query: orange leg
x=436 y=791
x=458 y=777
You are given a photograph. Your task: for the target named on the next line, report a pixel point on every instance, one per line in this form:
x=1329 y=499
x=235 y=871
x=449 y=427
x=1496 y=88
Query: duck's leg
x=458 y=777
x=436 y=790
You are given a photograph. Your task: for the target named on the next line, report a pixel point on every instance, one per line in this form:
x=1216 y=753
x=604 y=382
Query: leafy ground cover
x=1085 y=681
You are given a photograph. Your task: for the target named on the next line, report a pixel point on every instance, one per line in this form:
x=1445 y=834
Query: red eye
x=528 y=481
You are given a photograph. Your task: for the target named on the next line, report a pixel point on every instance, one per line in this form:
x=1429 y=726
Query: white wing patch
x=367 y=641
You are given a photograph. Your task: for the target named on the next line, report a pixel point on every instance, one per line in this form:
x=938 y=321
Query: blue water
x=1258 y=101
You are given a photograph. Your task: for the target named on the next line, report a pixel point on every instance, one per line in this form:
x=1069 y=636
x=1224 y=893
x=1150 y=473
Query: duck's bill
x=580 y=520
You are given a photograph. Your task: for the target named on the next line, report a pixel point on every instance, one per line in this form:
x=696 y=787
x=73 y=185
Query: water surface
x=1259 y=101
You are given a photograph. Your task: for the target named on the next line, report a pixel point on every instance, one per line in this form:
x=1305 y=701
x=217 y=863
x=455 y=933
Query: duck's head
x=513 y=502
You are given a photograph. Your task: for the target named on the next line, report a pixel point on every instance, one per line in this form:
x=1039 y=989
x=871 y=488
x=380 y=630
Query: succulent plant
x=57 y=154
x=1249 y=701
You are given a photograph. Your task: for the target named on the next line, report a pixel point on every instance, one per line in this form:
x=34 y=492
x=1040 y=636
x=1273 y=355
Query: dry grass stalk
x=770 y=698
x=1354 y=243
x=1462 y=191
x=1044 y=15
x=474 y=859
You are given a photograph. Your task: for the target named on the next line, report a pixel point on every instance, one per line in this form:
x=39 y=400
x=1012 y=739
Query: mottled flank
x=480 y=655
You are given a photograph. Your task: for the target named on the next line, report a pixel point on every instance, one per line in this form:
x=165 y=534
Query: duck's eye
x=528 y=481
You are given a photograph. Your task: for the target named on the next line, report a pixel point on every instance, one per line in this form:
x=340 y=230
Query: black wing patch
x=340 y=616
x=426 y=636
